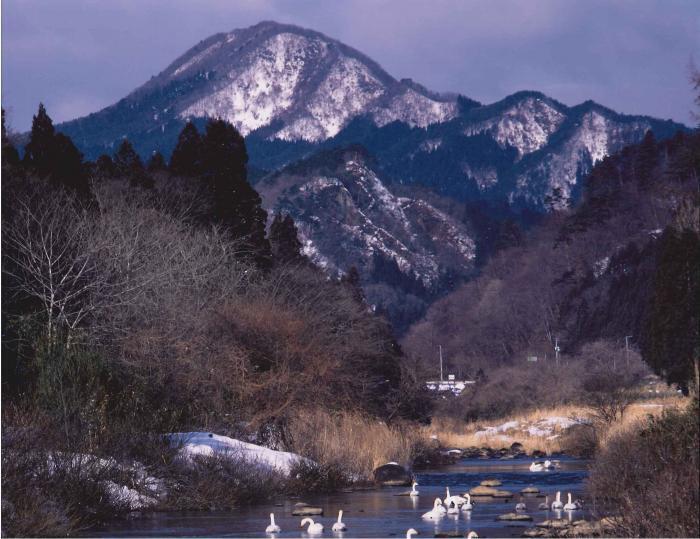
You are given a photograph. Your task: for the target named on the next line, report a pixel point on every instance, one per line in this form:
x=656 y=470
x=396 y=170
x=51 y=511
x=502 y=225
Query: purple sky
x=78 y=56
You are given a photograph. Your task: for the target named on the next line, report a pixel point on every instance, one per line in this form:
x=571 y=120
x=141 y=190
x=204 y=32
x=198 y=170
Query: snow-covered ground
x=207 y=443
x=547 y=427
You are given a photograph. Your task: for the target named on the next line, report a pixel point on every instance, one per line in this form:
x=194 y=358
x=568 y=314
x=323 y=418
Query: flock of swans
x=451 y=505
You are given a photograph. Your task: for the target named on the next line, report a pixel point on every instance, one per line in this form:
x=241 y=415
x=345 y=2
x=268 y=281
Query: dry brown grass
x=352 y=441
x=453 y=433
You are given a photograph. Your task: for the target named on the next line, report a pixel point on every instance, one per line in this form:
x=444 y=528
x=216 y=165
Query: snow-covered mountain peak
x=526 y=125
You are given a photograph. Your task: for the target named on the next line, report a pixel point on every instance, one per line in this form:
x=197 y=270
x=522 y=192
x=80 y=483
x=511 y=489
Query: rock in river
x=392 y=475
x=516 y=517
x=306 y=510
x=530 y=490
x=491 y=483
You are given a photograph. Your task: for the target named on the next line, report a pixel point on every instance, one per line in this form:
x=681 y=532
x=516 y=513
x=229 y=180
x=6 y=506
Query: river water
x=381 y=512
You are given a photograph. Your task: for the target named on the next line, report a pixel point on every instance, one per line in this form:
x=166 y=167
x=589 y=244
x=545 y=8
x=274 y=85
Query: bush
x=649 y=477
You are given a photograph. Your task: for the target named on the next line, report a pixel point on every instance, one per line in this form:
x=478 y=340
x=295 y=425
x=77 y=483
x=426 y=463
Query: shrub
x=648 y=476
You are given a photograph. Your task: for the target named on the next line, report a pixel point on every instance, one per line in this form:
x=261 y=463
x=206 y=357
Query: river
x=381 y=512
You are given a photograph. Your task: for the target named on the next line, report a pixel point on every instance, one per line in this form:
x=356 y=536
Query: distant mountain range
x=305 y=102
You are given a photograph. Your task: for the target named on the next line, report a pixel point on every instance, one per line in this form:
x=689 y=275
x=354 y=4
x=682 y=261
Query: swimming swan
x=472 y=535
x=314 y=527
x=452 y=509
x=545 y=504
x=520 y=507
x=537 y=467
x=339 y=526
x=273 y=528
x=570 y=506
x=437 y=512
x=556 y=504
x=413 y=492
x=410 y=532
x=467 y=505
x=458 y=500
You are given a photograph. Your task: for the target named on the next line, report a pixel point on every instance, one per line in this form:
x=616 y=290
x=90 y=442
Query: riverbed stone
x=503 y=494
x=481 y=490
x=392 y=475
x=535 y=532
x=554 y=523
x=491 y=483
x=530 y=490
x=515 y=517
x=305 y=510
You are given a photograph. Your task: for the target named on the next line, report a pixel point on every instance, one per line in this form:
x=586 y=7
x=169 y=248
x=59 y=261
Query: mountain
x=406 y=249
x=291 y=91
x=290 y=82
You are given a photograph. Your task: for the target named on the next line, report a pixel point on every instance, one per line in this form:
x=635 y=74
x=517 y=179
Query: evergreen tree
x=671 y=343
x=156 y=163
x=647 y=159
x=284 y=240
x=39 y=150
x=186 y=159
x=127 y=164
x=10 y=156
x=67 y=166
x=104 y=166
x=235 y=203
x=352 y=280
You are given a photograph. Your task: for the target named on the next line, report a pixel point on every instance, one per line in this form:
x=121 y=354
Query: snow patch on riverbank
x=206 y=443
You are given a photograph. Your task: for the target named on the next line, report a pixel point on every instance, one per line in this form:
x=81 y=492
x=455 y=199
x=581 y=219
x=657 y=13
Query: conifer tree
x=186 y=159
x=67 y=166
x=235 y=203
x=156 y=163
x=671 y=343
x=647 y=159
x=10 y=156
x=284 y=240
x=38 y=151
x=128 y=164
x=105 y=166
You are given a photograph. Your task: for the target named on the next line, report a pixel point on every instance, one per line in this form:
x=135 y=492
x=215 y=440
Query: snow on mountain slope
x=346 y=216
x=310 y=83
x=527 y=125
x=592 y=137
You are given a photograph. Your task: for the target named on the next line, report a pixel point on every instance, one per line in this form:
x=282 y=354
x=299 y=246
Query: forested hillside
x=622 y=264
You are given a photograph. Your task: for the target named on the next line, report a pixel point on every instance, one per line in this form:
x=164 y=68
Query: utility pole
x=440 y=362
x=556 y=349
x=627 y=349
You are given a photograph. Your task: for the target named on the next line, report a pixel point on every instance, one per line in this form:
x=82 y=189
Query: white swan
x=410 y=532
x=545 y=504
x=467 y=505
x=537 y=467
x=520 y=507
x=314 y=527
x=570 y=506
x=452 y=509
x=414 y=491
x=437 y=512
x=472 y=535
x=457 y=500
x=273 y=528
x=339 y=526
x=556 y=504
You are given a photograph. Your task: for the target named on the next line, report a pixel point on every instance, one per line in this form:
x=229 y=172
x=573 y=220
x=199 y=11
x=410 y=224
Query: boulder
x=491 y=483
x=537 y=454
x=515 y=517
x=503 y=494
x=392 y=475
x=530 y=490
x=481 y=490
x=517 y=448
x=535 y=532
x=554 y=523
x=305 y=510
